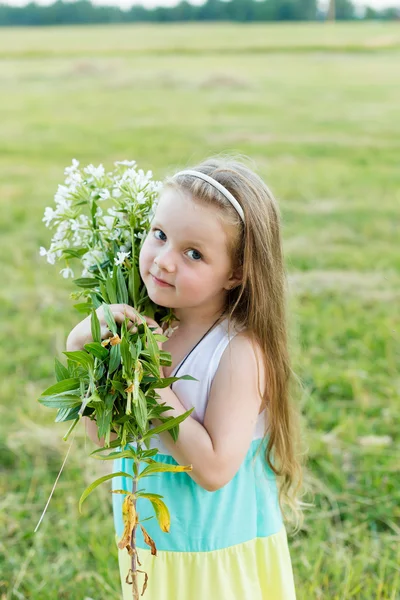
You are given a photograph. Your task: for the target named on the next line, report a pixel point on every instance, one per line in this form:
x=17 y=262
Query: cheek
x=145 y=258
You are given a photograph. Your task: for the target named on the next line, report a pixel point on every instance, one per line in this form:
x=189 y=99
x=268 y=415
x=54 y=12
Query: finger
x=120 y=318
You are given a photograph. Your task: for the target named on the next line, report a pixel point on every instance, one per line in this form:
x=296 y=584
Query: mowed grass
x=316 y=108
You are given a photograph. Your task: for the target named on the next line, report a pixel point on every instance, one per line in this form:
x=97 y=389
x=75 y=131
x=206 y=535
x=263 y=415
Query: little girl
x=213 y=254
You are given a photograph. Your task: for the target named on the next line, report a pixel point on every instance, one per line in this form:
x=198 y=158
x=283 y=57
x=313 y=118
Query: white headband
x=218 y=186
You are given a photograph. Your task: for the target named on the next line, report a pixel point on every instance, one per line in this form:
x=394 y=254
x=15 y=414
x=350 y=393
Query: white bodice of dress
x=202 y=363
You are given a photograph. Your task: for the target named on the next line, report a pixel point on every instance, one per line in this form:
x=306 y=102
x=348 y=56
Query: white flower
x=141 y=198
x=61 y=232
x=129 y=175
x=74 y=179
x=61 y=195
x=116 y=193
x=109 y=222
x=118 y=214
x=99 y=212
x=128 y=163
x=67 y=272
x=72 y=168
x=49 y=215
x=51 y=257
x=95 y=172
x=93 y=257
x=104 y=194
x=121 y=257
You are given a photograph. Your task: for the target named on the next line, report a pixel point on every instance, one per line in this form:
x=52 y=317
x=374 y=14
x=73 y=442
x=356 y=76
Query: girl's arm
x=217 y=448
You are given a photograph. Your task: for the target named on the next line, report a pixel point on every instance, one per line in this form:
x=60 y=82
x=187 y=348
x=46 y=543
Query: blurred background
x=315 y=104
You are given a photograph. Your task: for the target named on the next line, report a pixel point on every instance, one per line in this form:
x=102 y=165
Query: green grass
x=316 y=107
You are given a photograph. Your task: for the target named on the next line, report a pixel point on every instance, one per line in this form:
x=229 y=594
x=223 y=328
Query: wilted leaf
x=148 y=540
x=130 y=519
x=115 y=340
x=146 y=577
x=161 y=510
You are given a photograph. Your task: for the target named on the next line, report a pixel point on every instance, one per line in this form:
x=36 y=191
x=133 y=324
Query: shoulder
x=243 y=360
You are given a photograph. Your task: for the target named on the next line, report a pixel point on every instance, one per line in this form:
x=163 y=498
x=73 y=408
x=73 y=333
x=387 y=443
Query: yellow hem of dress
x=259 y=569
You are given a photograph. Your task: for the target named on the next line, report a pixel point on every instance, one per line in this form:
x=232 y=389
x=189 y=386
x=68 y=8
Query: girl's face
x=187 y=247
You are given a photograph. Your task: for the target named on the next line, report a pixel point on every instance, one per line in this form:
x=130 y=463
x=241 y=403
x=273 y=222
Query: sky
x=151 y=3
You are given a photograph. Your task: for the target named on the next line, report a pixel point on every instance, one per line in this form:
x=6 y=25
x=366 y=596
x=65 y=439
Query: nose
x=165 y=261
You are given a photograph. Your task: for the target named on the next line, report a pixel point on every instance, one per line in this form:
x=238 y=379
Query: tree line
x=84 y=12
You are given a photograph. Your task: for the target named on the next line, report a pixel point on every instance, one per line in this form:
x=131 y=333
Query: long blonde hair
x=258 y=304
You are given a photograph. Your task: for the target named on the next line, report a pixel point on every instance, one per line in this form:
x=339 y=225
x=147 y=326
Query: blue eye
x=198 y=255
x=159 y=230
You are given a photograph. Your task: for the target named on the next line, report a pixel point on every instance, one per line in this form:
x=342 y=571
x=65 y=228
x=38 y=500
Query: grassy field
x=316 y=107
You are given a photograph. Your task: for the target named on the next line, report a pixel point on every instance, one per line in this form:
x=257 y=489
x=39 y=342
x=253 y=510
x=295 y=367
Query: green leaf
x=114 y=455
x=111 y=290
x=140 y=411
x=149 y=366
x=160 y=338
x=66 y=401
x=104 y=293
x=96 y=301
x=95 y=327
x=159 y=467
x=126 y=355
x=152 y=346
x=86 y=282
x=122 y=291
x=149 y=453
x=68 y=414
x=109 y=317
x=118 y=385
x=163 y=383
x=165 y=358
x=61 y=371
x=83 y=307
x=103 y=419
x=115 y=359
x=97 y=350
x=82 y=358
x=134 y=282
x=98 y=482
x=75 y=253
x=66 y=385
x=171 y=422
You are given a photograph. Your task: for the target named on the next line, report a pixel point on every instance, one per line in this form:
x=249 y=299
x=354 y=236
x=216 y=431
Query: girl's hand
x=81 y=334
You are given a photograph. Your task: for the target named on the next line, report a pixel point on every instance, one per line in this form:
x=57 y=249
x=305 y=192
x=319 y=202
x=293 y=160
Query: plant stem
x=70 y=430
x=135 y=591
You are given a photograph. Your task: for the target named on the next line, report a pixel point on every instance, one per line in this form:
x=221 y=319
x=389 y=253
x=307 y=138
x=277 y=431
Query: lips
x=157 y=279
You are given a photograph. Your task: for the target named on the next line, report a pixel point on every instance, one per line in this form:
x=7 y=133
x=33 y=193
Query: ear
x=235 y=279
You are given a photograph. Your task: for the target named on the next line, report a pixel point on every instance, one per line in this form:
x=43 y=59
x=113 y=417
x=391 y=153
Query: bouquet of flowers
x=100 y=221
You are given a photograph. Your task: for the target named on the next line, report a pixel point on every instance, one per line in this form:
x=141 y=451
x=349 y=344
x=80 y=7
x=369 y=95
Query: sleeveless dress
x=229 y=544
